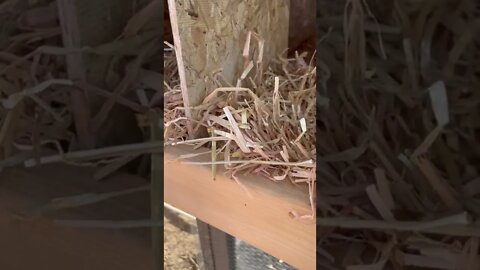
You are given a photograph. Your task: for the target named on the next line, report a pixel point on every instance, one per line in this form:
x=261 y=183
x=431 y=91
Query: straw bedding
x=37 y=116
x=398 y=179
x=266 y=126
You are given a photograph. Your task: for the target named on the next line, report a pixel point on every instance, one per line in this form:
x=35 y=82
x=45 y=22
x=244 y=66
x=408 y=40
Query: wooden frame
x=260 y=218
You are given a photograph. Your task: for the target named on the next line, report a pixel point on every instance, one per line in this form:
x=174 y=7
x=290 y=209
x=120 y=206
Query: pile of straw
x=38 y=121
x=266 y=127
x=398 y=169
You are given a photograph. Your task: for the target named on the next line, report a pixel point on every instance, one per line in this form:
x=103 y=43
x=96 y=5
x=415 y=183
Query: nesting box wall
x=301 y=25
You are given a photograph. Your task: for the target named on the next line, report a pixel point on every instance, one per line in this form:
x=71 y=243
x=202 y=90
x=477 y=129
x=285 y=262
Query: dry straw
x=398 y=156
x=264 y=125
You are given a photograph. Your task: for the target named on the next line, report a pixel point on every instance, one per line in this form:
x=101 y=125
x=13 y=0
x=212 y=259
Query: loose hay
x=398 y=161
x=36 y=112
x=265 y=125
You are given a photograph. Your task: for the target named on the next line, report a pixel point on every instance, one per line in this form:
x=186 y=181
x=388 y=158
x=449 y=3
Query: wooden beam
x=260 y=218
x=210 y=36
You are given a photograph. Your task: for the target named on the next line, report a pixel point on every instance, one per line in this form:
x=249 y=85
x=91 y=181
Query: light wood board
x=261 y=219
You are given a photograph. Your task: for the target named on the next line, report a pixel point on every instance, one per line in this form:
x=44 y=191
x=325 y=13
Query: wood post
x=259 y=217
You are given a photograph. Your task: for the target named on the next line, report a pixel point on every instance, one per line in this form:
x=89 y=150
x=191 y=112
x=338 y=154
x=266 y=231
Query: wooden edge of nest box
x=260 y=218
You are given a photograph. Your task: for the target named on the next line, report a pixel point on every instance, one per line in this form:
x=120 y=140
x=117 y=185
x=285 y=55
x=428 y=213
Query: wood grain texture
x=212 y=34
x=261 y=219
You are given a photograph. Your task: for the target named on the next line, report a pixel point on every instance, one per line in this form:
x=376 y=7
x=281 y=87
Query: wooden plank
x=260 y=219
x=210 y=36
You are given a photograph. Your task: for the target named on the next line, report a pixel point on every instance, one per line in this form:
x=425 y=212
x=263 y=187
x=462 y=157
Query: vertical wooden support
x=209 y=36
x=215 y=248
